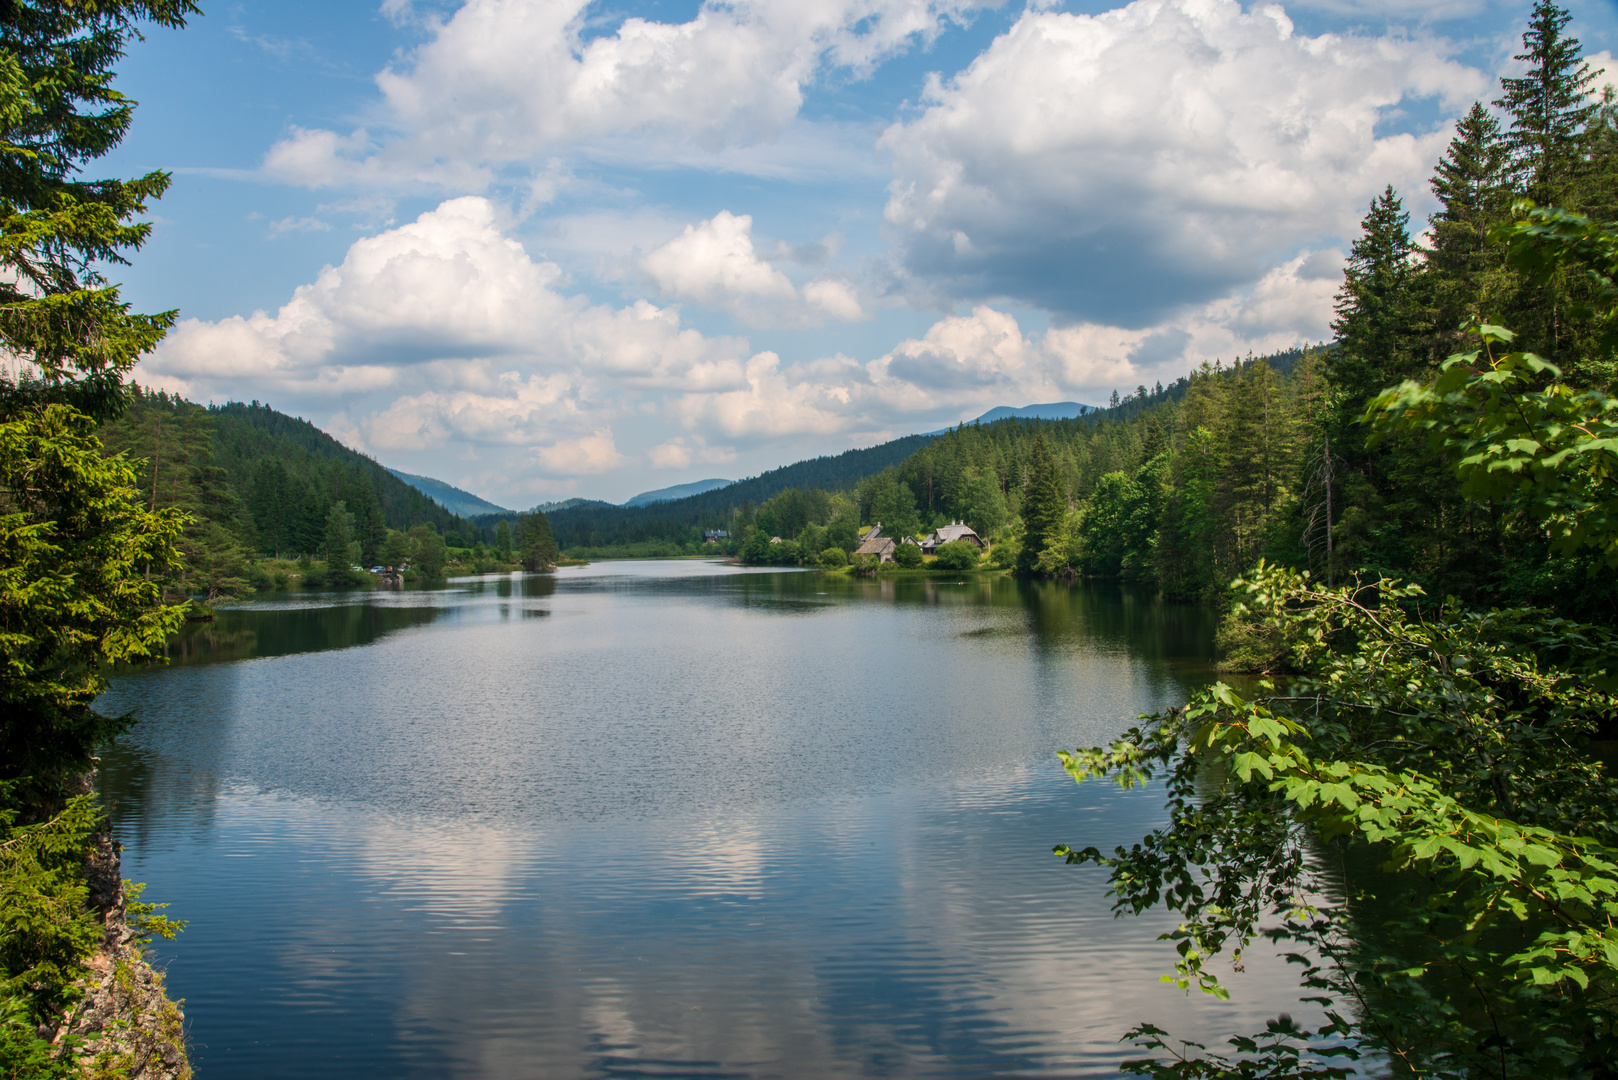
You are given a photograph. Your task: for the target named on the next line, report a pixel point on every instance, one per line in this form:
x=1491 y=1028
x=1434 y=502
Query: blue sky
x=541 y=248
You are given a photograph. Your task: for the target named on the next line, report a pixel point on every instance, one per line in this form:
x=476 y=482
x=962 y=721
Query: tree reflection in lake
x=671 y=819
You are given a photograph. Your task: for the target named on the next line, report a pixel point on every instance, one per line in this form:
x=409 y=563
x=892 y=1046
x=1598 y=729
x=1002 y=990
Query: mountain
x=260 y=482
x=564 y=504
x=1056 y=410
x=599 y=525
x=678 y=491
x=450 y=497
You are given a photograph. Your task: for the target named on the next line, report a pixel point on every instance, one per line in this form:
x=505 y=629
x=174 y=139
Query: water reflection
x=244 y=633
x=661 y=820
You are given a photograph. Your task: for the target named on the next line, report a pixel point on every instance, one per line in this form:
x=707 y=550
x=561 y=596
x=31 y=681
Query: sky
x=551 y=248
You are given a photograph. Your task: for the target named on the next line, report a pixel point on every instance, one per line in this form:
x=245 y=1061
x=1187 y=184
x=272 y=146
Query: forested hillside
x=262 y=486
x=449 y=496
x=679 y=524
x=1184 y=487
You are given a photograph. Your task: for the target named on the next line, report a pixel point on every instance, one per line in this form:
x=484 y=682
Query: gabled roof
x=874 y=544
x=956 y=531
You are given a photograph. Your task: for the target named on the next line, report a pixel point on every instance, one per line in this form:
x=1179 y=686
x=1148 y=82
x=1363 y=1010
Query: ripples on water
x=658 y=819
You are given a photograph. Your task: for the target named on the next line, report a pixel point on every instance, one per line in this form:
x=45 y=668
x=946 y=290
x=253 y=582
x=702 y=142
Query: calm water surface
x=668 y=819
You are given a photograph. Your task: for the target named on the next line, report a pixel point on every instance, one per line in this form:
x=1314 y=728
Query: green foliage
x=1044 y=505
x=58 y=112
x=890 y=502
x=1555 y=448
x=538 y=545
x=981 y=504
x=1284 y=1051
x=75 y=546
x=143 y=916
x=1550 y=106
x=755 y=546
x=84 y=560
x=429 y=553
x=907 y=556
x=1119 y=525
x=833 y=558
x=502 y=538
x=1453 y=747
x=23 y=1054
x=338 y=547
x=957 y=555
x=46 y=923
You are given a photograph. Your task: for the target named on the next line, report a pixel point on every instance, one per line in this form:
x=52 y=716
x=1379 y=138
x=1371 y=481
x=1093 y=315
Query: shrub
x=908 y=556
x=958 y=555
x=833 y=558
x=866 y=564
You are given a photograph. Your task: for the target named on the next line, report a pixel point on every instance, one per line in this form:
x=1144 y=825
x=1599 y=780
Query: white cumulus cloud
x=1118 y=167
x=503 y=81
x=715 y=264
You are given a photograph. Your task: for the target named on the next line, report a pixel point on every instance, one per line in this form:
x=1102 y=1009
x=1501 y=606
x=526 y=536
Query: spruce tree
x=1378 y=314
x=538 y=543
x=58 y=112
x=1550 y=106
x=1469 y=185
x=1044 y=505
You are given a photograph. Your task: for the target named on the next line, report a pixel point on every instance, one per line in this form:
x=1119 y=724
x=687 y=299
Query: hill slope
x=678 y=491
x=270 y=479
x=595 y=525
x=450 y=497
x=1056 y=410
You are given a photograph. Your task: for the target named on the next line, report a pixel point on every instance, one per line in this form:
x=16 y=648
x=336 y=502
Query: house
x=955 y=530
x=713 y=536
x=877 y=544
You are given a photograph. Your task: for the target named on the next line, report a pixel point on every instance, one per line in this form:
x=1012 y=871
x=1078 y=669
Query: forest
x=1182 y=488
x=273 y=501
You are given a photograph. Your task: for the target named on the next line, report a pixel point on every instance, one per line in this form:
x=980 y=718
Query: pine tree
x=1550 y=106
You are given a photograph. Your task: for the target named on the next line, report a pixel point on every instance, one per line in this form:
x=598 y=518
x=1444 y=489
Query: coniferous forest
x=1409 y=533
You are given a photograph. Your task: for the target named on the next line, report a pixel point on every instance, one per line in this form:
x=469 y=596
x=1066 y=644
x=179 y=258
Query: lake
x=664 y=819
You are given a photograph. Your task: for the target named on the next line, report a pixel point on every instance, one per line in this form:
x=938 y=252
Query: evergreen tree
x=59 y=112
x=1550 y=106
x=981 y=504
x=338 y=548
x=1378 y=317
x=1044 y=505
x=538 y=543
x=502 y=539
x=1469 y=184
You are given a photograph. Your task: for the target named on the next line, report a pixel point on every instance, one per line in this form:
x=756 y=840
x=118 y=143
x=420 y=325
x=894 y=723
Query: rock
x=125 y=1025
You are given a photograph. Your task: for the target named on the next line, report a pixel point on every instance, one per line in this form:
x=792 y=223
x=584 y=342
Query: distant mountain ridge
x=678 y=491
x=1055 y=410
x=564 y=504
x=593 y=524
x=449 y=496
